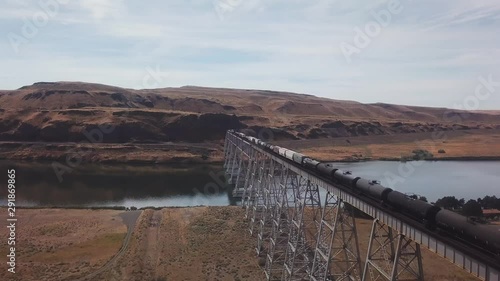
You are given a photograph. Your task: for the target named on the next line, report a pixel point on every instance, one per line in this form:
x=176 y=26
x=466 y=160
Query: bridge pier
x=302 y=230
x=392 y=256
x=337 y=243
x=278 y=239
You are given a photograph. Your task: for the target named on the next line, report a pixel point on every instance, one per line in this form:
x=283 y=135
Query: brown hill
x=64 y=111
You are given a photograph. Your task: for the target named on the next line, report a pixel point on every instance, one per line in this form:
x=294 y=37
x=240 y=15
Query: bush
x=421 y=154
x=441 y=151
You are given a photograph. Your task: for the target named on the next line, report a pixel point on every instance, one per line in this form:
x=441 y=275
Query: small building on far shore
x=493 y=214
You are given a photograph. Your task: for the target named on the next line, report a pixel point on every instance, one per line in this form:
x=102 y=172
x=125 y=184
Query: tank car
x=489 y=235
x=326 y=169
x=373 y=189
x=345 y=177
x=484 y=235
x=310 y=163
x=416 y=208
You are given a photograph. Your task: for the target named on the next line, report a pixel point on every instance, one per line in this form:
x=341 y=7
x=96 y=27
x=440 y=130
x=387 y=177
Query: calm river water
x=433 y=179
x=117 y=185
x=141 y=186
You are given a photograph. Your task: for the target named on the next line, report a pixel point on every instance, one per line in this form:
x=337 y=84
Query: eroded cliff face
x=70 y=111
x=119 y=128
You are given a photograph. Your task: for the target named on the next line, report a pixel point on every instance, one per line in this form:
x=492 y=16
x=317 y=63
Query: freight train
x=432 y=217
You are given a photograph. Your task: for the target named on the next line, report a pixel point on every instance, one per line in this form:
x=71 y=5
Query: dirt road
x=129 y=218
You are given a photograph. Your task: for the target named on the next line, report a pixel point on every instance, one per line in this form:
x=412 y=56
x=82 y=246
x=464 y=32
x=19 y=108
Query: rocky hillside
x=71 y=111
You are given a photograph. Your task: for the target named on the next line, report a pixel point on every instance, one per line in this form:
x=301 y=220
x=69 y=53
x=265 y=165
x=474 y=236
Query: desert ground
x=56 y=244
x=202 y=243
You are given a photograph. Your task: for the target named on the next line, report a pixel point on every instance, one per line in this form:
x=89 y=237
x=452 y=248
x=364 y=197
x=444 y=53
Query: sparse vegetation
x=422 y=154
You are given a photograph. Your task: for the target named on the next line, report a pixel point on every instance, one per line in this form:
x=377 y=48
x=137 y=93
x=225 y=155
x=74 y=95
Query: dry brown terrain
x=203 y=243
x=56 y=244
x=46 y=120
x=466 y=145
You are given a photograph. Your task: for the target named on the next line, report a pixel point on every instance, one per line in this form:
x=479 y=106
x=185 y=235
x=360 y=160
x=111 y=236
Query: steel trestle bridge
x=305 y=225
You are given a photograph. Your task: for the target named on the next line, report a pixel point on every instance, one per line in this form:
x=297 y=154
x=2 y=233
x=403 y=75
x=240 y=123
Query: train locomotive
x=432 y=217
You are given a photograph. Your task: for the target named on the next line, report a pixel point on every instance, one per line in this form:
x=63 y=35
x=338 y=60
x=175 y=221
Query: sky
x=443 y=53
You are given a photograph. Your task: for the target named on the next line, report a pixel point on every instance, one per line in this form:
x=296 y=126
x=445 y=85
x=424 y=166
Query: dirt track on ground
x=129 y=218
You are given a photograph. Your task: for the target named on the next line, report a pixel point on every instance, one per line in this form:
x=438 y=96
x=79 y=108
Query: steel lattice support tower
x=250 y=185
x=268 y=203
x=278 y=239
x=336 y=255
x=257 y=193
x=250 y=170
x=302 y=224
x=392 y=257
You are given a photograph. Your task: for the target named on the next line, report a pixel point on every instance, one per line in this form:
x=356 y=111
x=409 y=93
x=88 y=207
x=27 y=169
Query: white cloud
x=104 y=9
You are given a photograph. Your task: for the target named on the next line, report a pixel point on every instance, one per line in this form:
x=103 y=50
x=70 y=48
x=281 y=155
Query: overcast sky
x=426 y=52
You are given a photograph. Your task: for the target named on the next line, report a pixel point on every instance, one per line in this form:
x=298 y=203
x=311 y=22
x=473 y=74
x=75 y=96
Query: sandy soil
x=56 y=244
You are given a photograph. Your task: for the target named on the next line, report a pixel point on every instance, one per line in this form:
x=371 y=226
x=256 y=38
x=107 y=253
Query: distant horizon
x=245 y=89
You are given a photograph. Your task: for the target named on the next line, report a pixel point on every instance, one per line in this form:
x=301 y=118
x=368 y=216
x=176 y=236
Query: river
x=158 y=186
x=433 y=179
x=117 y=185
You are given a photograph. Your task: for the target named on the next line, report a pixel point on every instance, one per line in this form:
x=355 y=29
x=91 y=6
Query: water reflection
x=118 y=185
